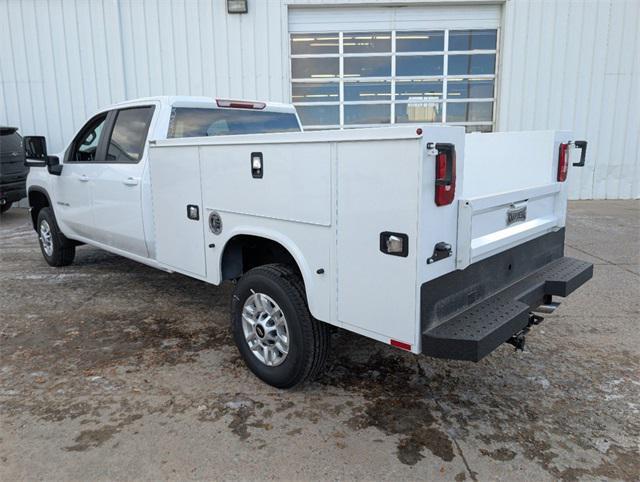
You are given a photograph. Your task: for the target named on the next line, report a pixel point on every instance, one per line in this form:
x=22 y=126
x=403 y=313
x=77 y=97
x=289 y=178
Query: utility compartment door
x=378 y=186
x=175 y=187
x=510 y=194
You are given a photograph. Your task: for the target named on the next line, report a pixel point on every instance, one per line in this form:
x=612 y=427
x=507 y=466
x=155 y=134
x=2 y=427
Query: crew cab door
x=73 y=205
x=116 y=189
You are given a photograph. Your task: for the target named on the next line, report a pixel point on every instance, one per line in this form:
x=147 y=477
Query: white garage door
x=355 y=67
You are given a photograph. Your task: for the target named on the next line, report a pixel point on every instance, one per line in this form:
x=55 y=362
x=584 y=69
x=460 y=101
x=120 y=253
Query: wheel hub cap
x=46 y=238
x=265 y=329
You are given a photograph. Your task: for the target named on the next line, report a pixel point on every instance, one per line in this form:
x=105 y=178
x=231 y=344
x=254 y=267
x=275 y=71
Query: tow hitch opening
x=518 y=340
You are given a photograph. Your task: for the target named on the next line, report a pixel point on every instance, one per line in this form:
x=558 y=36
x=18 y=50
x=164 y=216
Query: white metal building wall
x=567 y=64
x=67 y=58
x=575 y=65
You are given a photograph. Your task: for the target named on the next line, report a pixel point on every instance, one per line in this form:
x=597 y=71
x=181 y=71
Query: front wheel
x=5 y=207
x=56 y=249
x=279 y=340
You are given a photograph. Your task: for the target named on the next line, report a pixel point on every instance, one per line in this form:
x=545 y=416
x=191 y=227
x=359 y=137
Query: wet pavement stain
x=393 y=406
x=411 y=420
x=89 y=439
x=502 y=454
x=241 y=413
x=460 y=477
x=99 y=341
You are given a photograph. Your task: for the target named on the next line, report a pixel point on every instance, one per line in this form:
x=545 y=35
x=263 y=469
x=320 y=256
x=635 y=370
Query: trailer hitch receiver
x=518 y=339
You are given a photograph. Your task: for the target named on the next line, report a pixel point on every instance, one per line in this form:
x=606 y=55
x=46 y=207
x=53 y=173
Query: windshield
x=203 y=122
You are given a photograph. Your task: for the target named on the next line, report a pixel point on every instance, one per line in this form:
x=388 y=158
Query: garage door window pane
x=470 y=88
x=419 y=112
x=419 y=65
x=472 y=40
x=419 y=41
x=366 y=42
x=314 y=43
x=363 y=91
x=469 y=111
x=319 y=115
x=367 y=66
x=315 y=92
x=472 y=64
x=315 y=68
x=418 y=89
x=367 y=114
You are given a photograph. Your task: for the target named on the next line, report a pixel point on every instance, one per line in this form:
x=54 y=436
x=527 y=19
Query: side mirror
x=35 y=150
x=35 y=154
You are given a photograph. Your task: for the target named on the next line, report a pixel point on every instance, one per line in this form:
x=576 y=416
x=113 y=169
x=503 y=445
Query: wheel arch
x=38 y=199
x=231 y=255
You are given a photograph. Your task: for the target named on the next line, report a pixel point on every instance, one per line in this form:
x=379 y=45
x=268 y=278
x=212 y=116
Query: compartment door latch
x=193 y=212
x=441 y=250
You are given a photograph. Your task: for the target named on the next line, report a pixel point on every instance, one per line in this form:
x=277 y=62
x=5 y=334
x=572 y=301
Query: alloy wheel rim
x=265 y=329
x=46 y=238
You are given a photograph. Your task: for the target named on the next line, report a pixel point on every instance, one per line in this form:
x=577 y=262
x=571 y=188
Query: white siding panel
x=261 y=51
x=206 y=47
x=563 y=64
x=574 y=65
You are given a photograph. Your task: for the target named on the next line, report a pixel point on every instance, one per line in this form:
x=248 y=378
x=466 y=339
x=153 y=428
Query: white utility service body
x=326 y=196
x=423 y=237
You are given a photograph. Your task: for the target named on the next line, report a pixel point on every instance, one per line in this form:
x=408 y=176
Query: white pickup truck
x=422 y=237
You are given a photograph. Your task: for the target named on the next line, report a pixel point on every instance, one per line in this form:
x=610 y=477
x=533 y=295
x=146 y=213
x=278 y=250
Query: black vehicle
x=13 y=172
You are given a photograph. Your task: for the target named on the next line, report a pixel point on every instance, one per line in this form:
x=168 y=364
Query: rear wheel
x=5 y=207
x=56 y=249
x=281 y=343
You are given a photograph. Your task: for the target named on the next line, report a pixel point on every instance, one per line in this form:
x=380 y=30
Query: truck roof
x=201 y=101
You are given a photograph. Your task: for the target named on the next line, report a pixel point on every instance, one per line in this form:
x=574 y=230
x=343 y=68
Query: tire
x=307 y=338
x=5 y=207
x=56 y=248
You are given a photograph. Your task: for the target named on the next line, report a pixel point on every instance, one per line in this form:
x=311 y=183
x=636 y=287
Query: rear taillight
x=445 y=174
x=563 y=162
x=238 y=104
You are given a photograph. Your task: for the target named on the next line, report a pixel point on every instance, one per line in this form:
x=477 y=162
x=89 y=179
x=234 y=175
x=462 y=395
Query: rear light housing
x=563 y=161
x=239 y=104
x=445 y=174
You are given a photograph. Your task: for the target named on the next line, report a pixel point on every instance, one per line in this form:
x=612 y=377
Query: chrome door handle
x=130 y=181
x=83 y=178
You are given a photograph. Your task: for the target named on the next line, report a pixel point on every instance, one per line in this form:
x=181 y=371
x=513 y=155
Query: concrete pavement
x=112 y=370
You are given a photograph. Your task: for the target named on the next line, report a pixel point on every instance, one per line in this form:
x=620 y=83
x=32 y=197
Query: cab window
x=205 y=122
x=129 y=134
x=86 y=146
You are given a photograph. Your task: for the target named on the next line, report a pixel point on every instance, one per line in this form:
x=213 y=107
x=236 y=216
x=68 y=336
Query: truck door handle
x=83 y=178
x=130 y=181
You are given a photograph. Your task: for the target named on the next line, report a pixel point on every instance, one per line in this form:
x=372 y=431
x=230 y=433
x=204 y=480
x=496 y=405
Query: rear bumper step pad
x=477 y=331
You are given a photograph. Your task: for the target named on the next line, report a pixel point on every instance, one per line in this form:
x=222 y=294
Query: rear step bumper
x=481 y=328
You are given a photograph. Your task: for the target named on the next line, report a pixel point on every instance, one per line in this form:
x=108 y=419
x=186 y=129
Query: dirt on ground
x=113 y=370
